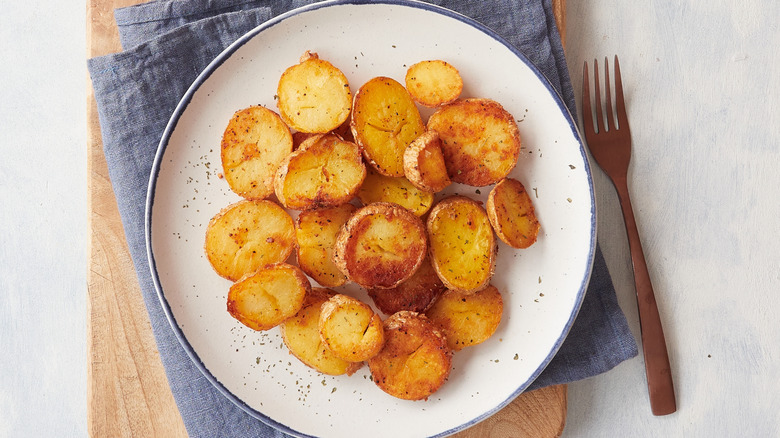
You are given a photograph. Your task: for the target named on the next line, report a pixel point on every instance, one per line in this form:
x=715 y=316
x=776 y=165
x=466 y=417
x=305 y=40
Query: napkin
x=166 y=44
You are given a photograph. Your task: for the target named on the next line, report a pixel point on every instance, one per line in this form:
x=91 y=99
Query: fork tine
x=587 y=112
x=597 y=92
x=619 y=102
x=609 y=122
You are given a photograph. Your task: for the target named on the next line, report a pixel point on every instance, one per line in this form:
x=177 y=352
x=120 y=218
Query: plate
x=542 y=286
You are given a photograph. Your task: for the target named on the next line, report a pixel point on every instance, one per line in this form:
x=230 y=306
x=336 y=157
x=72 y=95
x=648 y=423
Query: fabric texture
x=166 y=45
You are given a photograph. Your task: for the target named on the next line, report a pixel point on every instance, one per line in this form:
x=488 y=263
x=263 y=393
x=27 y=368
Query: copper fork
x=610 y=145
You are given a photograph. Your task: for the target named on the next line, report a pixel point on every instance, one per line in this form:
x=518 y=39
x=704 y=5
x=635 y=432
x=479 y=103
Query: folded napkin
x=166 y=45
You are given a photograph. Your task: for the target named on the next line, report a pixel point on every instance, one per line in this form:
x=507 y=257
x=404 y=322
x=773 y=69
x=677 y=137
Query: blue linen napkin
x=166 y=45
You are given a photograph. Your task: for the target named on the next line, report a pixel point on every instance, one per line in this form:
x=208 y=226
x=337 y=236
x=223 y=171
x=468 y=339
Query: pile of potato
x=362 y=172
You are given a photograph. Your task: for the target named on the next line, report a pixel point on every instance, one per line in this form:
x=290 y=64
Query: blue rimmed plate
x=542 y=286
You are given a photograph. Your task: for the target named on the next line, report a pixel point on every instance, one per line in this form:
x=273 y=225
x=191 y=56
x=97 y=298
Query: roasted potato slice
x=467 y=319
x=263 y=299
x=415 y=294
x=424 y=164
x=350 y=329
x=313 y=95
x=462 y=245
x=433 y=83
x=247 y=235
x=415 y=360
x=479 y=139
x=512 y=215
x=384 y=121
x=316 y=232
x=511 y=212
x=381 y=245
x=255 y=142
x=323 y=172
x=398 y=190
x=301 y=334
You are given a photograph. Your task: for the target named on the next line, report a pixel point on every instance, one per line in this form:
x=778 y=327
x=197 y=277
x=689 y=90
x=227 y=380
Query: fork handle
x=657 y=368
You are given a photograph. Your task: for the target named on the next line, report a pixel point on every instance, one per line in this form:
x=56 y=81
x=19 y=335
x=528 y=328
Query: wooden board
x=127 y=391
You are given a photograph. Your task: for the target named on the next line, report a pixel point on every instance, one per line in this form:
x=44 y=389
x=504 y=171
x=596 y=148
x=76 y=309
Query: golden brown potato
x=415 y=361
x=462 y=245
x=313 y=95
x=381 y=245
x=323 y=172
x=255 y=141
x=384 y=121
x=398 y=190
x=316 y=232
x=467 y=319
x=415 y=294
x=350 y=329
x=301 y=334
x=247 y=235
x=479 y=139
x=263 y=299
x=512 y=215
x=433 y=83
x=424 y=164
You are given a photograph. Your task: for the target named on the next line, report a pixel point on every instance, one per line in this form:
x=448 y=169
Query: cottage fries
x=363 y=176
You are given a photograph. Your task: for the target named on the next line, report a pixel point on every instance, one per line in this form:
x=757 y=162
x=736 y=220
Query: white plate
x=542 y=286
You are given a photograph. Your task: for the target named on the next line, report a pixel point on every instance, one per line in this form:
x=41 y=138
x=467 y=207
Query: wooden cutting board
x=127 y=392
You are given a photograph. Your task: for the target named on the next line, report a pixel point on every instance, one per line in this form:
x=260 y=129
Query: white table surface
x=702 y=82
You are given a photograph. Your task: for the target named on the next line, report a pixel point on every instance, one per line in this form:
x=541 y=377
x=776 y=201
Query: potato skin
x=415 y=294
x=424 y=164
x=384 y=121
x=381 y=245
x=350 y=328
x=415 y=361
x=254 y=143
x=480 y=140
x=511 y=212
x=467 y=319
x=314 y=95
x=247 y=235
x=316 y=232
x=263 y=299
x=462 y=244
x=301 y=335
x=324 y=171
x=433 y=83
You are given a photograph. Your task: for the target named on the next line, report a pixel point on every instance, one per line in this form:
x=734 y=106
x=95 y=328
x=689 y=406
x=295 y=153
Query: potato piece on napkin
x=263 y=299
x=301 y=334
x=384 y=121
x=433 y=83
x=462 y=244
x=415 y=360
x=479 y=139
x=247 y=235
x=313 y=95
x=467 y=319
x=255 y=141
x=511 y=212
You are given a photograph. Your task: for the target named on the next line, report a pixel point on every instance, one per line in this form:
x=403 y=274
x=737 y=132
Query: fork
x=610 y=145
